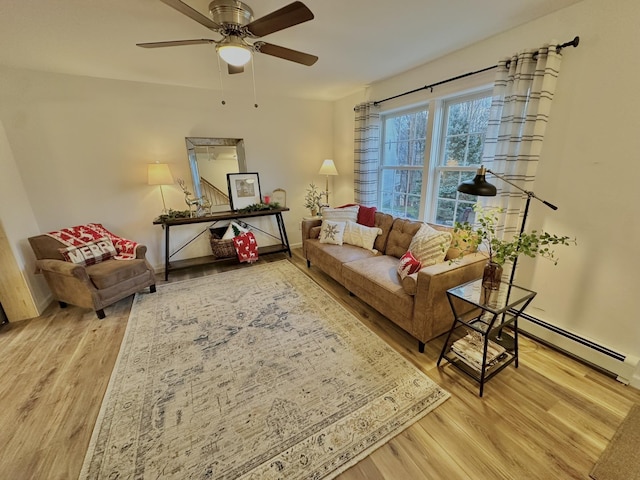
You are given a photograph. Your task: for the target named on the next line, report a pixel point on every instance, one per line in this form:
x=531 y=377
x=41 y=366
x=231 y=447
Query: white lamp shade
x=159 y=174
x=234 y=55
x=328 y=168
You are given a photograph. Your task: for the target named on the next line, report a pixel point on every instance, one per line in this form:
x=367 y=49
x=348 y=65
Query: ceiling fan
x=234 y=21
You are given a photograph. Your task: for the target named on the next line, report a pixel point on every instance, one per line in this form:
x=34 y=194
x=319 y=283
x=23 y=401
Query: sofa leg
x=100 y=314
x=420 y=346
x=308 y=263
x=62 y=304
x=152 y=288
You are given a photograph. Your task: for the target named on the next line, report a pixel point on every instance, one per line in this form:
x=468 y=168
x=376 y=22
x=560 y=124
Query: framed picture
x=280 y=196
x=244 y=189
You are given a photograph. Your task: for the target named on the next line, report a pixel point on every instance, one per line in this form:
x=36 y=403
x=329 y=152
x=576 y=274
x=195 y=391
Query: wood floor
x=549 y=419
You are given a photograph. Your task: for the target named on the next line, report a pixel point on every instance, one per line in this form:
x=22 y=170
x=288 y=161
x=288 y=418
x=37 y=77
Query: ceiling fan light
x=235 y=55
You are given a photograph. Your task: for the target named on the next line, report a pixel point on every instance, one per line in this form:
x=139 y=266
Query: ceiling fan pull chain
x=221 y=87
x=253 y=74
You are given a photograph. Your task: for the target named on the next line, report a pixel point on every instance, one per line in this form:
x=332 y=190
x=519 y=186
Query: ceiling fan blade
x=285 y=17
x=192 y=13
x=233 y=69
x=285 y=53
x=175 y=43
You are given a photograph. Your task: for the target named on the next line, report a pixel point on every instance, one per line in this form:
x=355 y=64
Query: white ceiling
x=358 y=41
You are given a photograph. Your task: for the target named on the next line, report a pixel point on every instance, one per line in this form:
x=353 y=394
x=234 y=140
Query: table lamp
x=159 y=174
x=328 y=168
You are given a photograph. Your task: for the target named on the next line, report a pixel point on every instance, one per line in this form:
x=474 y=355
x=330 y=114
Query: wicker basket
x=221 y=248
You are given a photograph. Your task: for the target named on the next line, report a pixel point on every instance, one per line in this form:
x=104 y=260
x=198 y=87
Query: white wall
x=589 y=164
x=80 y=147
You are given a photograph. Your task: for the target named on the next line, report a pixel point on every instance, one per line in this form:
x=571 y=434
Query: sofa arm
x=141 y=251
x=59 y=267
x=432 y=314
x=308 y=233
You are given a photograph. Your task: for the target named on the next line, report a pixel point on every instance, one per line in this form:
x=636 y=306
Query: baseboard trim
x=625 y=368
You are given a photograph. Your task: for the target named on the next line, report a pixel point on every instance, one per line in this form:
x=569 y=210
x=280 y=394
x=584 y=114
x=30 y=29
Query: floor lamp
x=479 y=186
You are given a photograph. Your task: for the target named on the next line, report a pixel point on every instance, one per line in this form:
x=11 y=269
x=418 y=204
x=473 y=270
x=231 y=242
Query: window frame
x=434 y=151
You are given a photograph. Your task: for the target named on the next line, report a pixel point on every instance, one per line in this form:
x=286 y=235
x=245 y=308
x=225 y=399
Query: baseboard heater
x=610 y=362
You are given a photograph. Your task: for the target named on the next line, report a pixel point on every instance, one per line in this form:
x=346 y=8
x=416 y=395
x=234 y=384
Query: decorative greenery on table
x=173 y=214
x=259 y=207
x=468 y=238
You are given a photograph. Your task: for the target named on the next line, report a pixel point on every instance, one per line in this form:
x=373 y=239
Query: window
x=403 y=153
x=445 y=153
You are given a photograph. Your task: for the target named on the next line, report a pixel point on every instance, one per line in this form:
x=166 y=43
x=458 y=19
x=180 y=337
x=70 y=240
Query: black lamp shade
x=478 y=186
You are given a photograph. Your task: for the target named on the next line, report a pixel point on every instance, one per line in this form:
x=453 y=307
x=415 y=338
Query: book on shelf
x=470 y=349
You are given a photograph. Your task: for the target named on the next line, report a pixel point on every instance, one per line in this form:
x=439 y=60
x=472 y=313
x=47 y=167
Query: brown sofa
x=94 y=286
x=418 y=304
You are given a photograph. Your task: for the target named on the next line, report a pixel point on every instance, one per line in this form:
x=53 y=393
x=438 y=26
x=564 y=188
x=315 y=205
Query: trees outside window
x=419 y=177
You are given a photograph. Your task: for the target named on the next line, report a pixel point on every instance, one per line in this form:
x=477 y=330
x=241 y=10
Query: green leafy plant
x=468 y=238
x=312 y=198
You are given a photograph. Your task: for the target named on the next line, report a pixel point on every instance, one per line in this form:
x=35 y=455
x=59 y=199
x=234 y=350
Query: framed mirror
x=210 y=159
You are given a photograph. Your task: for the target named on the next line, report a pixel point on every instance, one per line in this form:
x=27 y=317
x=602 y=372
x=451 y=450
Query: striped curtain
x=522 y=95
x=366 y=153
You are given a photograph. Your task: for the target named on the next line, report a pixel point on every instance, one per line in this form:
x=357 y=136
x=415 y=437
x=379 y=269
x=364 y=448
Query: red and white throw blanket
x=82 y=234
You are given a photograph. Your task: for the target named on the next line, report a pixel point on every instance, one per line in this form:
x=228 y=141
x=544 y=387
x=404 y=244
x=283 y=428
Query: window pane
x=474 y=151
x=404 y=139
x=401 y=191
x=479 y=115
x=449 y=182
x=445 y=212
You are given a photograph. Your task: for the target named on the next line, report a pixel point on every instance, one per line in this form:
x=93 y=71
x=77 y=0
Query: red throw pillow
x=408 y=265
x=366 y=215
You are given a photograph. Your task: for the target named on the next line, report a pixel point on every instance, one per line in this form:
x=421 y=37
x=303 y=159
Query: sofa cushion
x=402 y=232
x=408 y=264
x=429 y=245
x=383 y=221
x=332 y=257
x=360 y=235
x=114 y=272
x=376 y=280
x=341 y=214
x=332 y=232
x=366 y=215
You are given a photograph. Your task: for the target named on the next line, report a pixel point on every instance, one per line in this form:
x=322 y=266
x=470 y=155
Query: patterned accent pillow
x=408 y=265
x=332 y=232
x=90 y=253
x=341 y=214
x=360 y=236
x=429 y=245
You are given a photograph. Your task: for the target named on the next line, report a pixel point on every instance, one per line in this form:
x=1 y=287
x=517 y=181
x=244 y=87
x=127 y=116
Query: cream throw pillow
x=332 y=232
x=346 y=214
x=360 y=236
x=429 y=245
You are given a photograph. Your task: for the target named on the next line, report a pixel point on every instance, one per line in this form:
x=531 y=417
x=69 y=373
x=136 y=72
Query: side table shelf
x=283 y=246
x=477 y=343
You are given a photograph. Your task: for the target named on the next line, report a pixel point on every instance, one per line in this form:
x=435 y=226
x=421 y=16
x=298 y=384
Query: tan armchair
x=91 y=286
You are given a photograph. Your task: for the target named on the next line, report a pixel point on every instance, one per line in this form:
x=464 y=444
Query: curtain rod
x=571 y=43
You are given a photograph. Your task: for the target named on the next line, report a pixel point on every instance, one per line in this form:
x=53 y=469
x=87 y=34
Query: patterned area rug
x=255 y=373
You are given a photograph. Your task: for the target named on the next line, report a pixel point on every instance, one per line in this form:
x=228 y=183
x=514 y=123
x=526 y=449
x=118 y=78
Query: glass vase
x=492 y=276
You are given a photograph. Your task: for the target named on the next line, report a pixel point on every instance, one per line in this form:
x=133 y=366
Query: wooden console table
x=213 y=219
